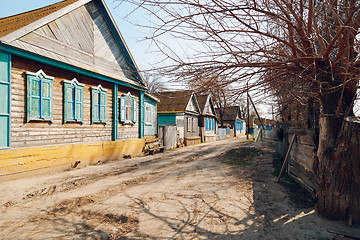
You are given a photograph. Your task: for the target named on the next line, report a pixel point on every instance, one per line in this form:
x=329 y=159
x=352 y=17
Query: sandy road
x=182 y=194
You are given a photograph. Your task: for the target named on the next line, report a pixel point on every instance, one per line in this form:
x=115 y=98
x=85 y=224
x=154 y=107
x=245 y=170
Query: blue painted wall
x=167 y=119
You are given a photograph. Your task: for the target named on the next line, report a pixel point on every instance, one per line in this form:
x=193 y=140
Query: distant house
x=180 y=109
x=208 y=122
x=70 y=90
x=232 y=118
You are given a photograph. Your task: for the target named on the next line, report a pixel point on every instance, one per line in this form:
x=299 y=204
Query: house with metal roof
x=180 y=109
x=208 y=121
x=70 y=91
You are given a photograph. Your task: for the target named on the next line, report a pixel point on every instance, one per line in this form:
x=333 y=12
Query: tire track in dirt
x=159 y=167
x=73 y=184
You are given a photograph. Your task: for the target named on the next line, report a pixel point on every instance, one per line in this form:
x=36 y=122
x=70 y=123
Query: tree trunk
x=339 y=169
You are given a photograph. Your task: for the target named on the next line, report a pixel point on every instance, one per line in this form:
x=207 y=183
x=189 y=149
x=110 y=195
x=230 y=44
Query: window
x=149 y=114
x=73 y=101
x=39 y=96
x=194 y=124
x=128 y=109
x=98 y=104
x=189 y=124
x=209 y=124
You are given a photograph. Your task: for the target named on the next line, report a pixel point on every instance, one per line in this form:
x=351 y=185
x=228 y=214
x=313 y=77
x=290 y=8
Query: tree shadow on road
x=270 y=214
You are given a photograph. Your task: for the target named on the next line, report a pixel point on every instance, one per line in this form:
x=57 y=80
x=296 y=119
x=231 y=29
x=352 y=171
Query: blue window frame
x=39 y=96
x=5 y=99
x=98 y=104
x=73 y=101
x=128 y=109
x=209 y=124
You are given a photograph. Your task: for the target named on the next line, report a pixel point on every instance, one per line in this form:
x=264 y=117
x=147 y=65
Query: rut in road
x=71 y=198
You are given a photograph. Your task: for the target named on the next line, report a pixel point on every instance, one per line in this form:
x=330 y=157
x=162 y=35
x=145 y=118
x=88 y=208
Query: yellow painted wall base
x=28 y=159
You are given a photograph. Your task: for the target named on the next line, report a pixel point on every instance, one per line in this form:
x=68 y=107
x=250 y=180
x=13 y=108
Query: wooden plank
x=37 y=24
x=306 y=176
x=304 y=155
x=304 y=185
x=306 y=137
x=287 y=156
x=344 y=233
x=44 y=133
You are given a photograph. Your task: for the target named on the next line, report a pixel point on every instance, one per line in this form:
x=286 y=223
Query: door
x=4 y=100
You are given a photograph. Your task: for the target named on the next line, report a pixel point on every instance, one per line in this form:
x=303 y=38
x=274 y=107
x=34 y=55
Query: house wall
x=191 y=130
x=180 y=126
x=240 y=128
x=38 y=144
x=45 y=133
x=151 y=129
x=166 y=119
x=17 y=162
x=94 y=48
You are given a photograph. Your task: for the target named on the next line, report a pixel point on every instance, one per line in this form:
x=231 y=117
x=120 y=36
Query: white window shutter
x=135 y=110
x=122 y=109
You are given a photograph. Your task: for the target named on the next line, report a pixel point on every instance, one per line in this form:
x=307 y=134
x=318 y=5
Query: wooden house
x=208 y=122
x=180 y=109
x=70 y=91
x=232 y=118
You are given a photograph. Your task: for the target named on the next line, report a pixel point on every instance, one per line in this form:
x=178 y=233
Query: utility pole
x=248 y=114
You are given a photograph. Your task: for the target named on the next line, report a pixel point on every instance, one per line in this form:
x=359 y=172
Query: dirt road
x=187 y=193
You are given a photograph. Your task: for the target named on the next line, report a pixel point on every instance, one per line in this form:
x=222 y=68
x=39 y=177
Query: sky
x=132 y=34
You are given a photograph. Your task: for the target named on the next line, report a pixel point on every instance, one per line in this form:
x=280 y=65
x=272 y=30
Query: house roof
x=21 y=31
x=231 y=113
x=202 y=99
x=172 y=102
x=15 y=22
x=152 y=97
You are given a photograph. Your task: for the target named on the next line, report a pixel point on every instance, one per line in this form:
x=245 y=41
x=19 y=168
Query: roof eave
x=39 y=23
x=121 y=40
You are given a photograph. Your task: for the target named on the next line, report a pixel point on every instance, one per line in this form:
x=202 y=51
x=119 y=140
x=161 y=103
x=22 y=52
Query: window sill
x=73 y=121
x=128 y=123
x=99 y=123
x=40 y=120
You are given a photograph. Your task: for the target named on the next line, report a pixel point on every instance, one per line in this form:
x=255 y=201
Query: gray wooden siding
x=45 y=133
x=194 y=128
x=81 y=38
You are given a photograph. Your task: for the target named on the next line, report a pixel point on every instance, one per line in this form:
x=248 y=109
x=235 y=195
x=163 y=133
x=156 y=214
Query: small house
x=232 y=118
x=208 y=122
x=180 y=109
x=70 y=91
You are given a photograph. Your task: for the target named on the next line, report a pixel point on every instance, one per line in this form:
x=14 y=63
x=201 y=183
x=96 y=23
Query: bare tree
x=223 y=95
x=295 y=49
x=154 y=84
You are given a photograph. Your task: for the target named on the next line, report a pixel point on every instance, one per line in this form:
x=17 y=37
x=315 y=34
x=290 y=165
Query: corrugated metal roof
x=13 y=23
